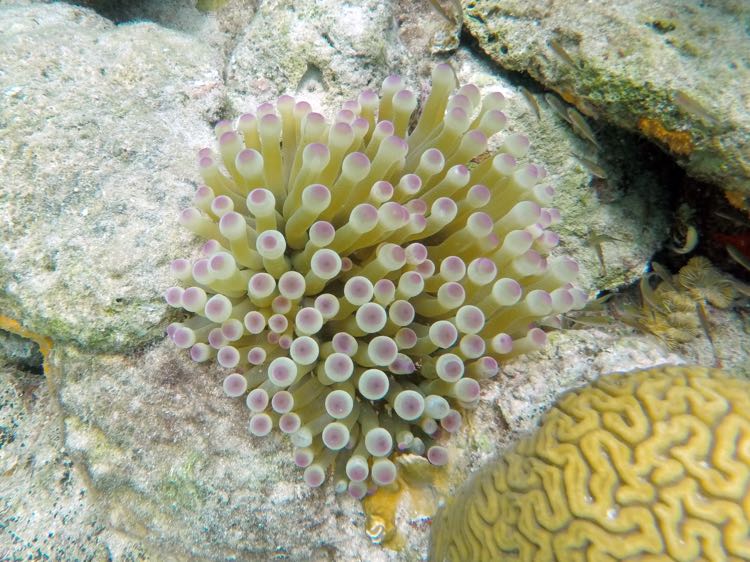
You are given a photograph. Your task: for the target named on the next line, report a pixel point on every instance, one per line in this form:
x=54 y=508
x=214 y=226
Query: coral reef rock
x=675 y=71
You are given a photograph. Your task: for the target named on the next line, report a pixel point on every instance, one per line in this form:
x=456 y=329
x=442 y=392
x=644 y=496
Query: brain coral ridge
x=649 y=466
x=361 y=275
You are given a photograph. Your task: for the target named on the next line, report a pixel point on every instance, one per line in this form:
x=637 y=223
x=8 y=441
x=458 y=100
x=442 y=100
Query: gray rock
x=47 y=509
x=324 y=51
x=676 y=71
x=215 y=28
x=95 y=124
x=179 y=469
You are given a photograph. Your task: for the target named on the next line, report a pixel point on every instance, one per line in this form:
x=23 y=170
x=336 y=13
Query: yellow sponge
x=652 y=466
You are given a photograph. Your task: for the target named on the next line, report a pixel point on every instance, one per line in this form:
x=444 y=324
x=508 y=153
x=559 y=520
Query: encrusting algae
x=678 y=142
x=651 y=465
x=361 y=275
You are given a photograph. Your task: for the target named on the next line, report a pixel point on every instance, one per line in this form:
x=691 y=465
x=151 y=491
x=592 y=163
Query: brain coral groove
x=649 y=466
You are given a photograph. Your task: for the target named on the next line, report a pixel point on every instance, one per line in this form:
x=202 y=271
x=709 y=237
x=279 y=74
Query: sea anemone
x=362 y=275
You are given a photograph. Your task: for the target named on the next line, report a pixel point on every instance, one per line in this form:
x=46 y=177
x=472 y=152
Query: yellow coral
x=652 y=465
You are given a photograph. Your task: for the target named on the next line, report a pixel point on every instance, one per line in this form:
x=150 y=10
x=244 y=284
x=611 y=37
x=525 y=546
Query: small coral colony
x=360 y=275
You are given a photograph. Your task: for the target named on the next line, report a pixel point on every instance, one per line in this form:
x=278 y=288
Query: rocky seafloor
x=123 y=449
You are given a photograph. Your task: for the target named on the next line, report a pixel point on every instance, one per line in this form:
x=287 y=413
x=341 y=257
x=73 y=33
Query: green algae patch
x=180 y=489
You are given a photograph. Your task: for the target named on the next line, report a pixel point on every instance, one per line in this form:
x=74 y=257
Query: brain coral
x=650 y=466
x=361 y=275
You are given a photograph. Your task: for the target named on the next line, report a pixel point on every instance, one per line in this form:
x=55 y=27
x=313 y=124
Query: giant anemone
x=362 y=275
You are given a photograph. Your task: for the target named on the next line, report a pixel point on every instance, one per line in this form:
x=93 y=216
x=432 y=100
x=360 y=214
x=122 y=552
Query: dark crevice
x=718 y=224
x=120 y=12
x=20 y=353
x=312 y=79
